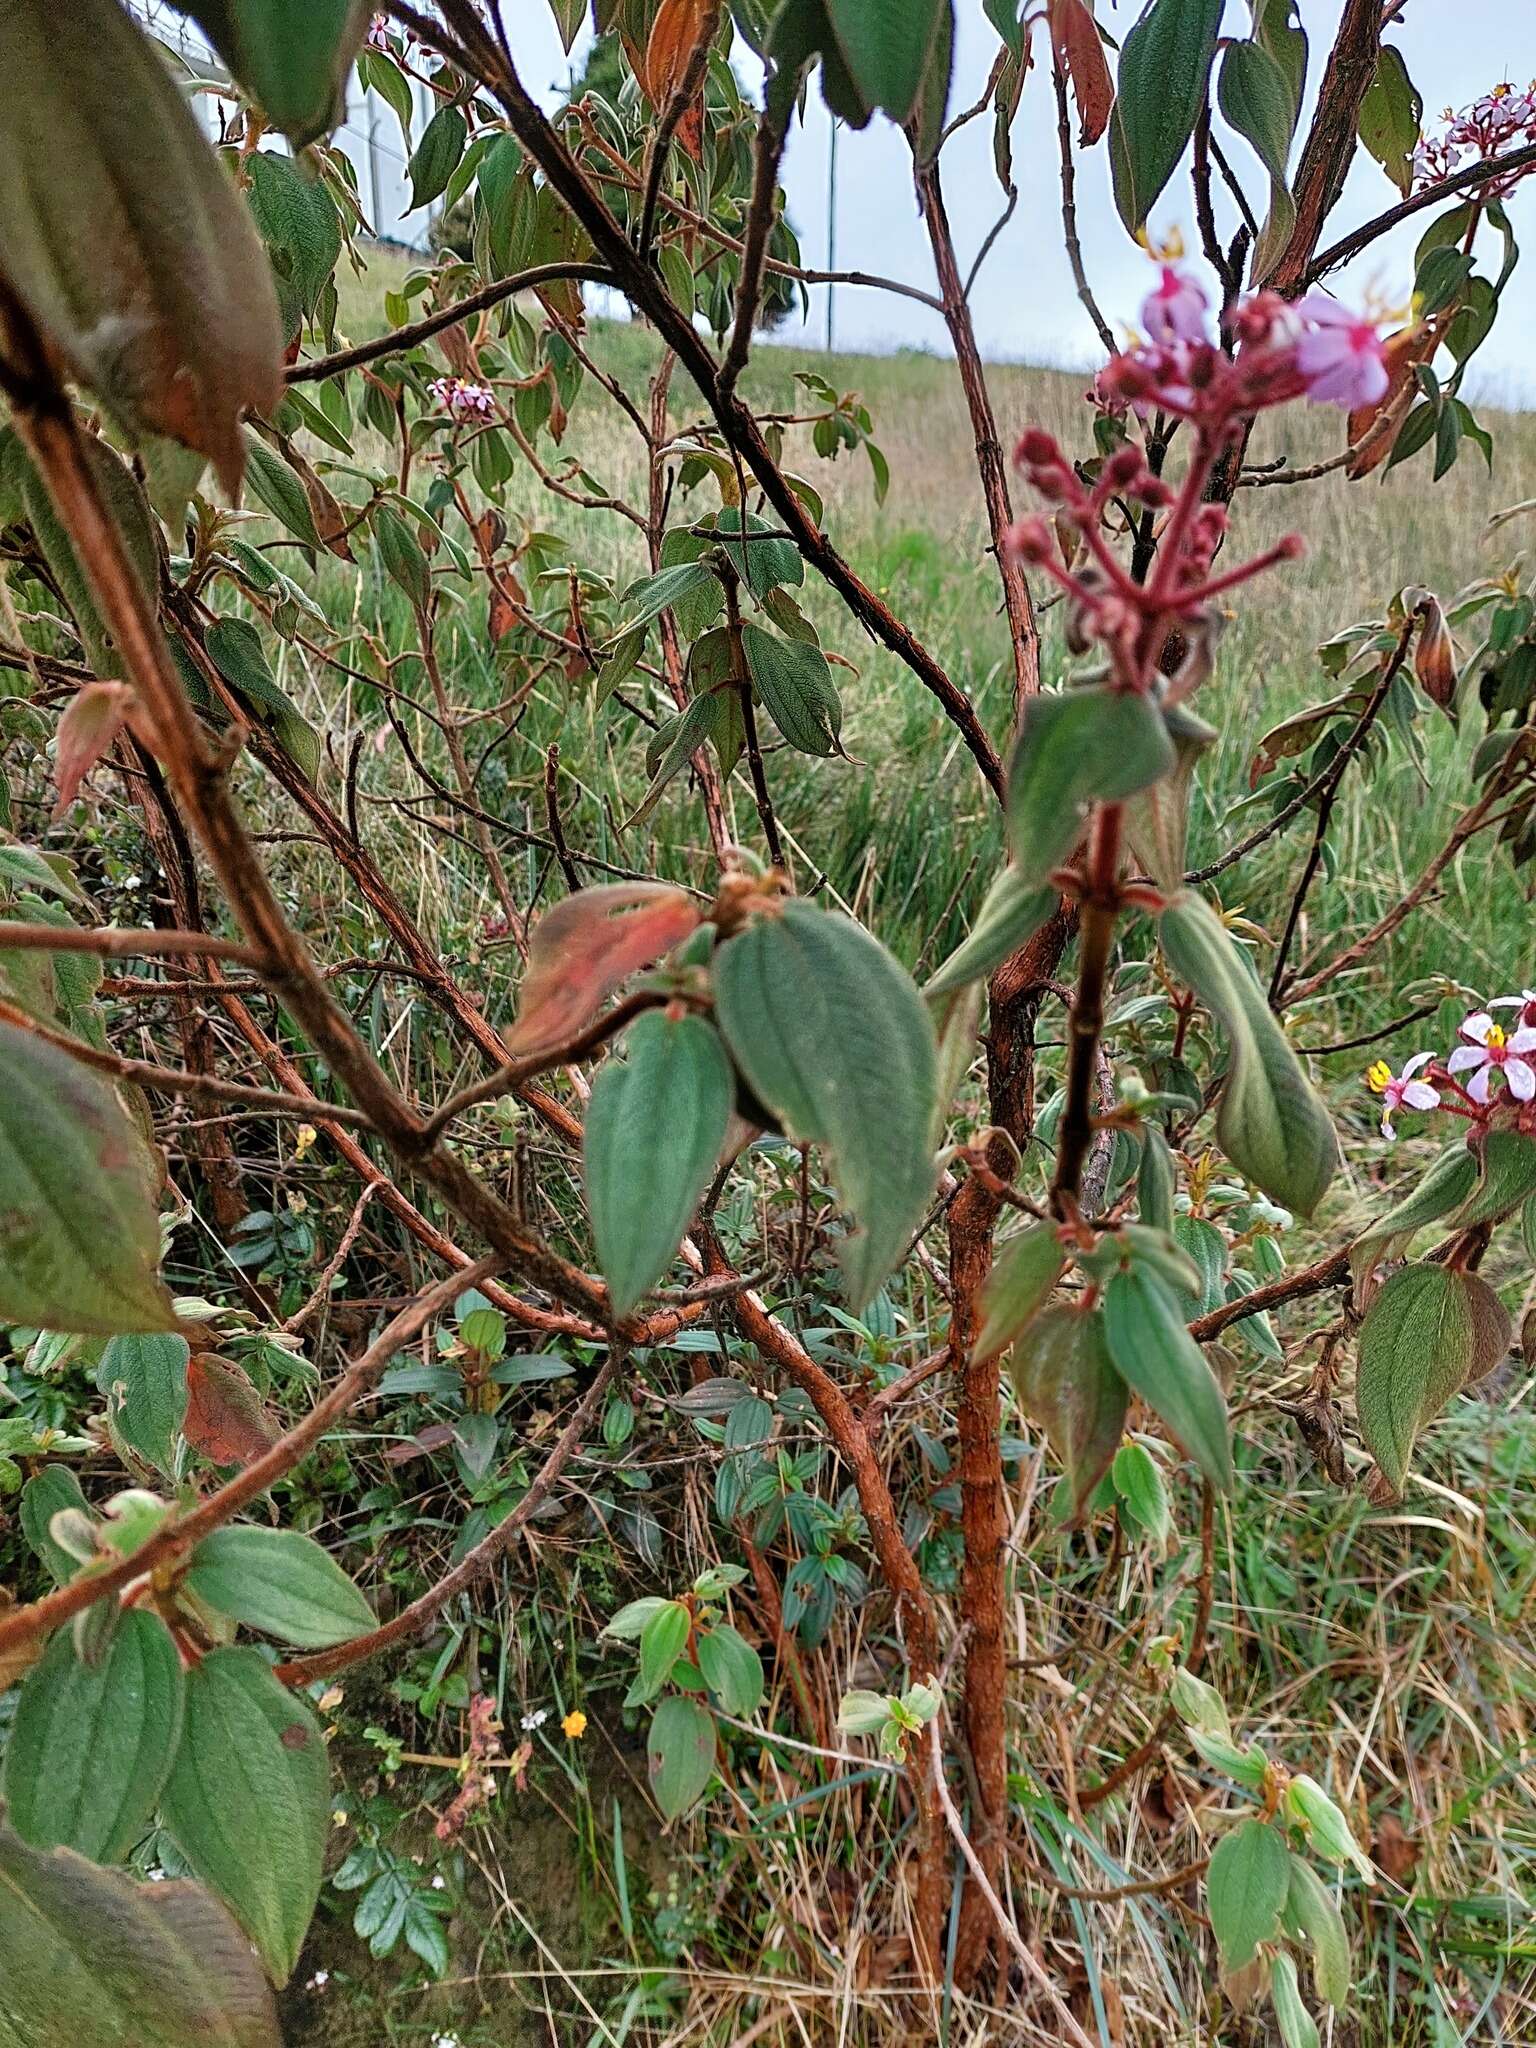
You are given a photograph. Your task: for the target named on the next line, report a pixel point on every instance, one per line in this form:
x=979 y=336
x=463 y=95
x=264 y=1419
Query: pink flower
x=463 y=399
x=1488 y=1050
x=1340 y=356
x=1176 y=311
x=1401 y=1091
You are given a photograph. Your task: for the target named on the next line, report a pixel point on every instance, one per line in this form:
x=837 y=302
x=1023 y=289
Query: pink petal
x=1419 y=1095
x=1523 y=1040
x=1520 y=1079
x=1411 y=1067
x=1467 y=1056
x=1477 y=1087
x=1477 y=1027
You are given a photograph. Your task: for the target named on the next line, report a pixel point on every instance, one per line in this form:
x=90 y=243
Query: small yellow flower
x=305 y=1138
x=340 y=1817
x=574 y=1726
x=1377 y=1077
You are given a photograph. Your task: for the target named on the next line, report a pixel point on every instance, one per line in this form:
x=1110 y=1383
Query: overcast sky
x=1024 y=304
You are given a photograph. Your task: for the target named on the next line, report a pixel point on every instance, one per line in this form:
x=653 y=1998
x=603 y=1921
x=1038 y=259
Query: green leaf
x=1449 y=1183
x=732 y=1670
x=760 y=557
x=436 y=157
x=795 y=683
x=631 y=1620
x=1023 y=1273
x=145 y=1380
x=655 y=1127
x=1390 y=116
x=1311 y=1915
x=1506 y=1162
x=1255 y=98
x=91 y=1746
x=1154 y=1353
x=1416 y=1345
x=680 y=1754
x=248 y=1800
x=90 y=1958
x=832 y=1036
x=1012 y=911
x=1139 y=1485
x=277 y=486
x=662 y=1641
x=1066 y=1383
x=886 y=49
x=1329 y=1833
x=927 y=133
x=1245 y=1890
x=1074 y=749
x=299 y=223
x=1165 y=65
x=53 y=1491
x=291 y=56
x=401 y=553
x=141 y=264
x=1297 y=2026
x=235 y=649
x=1207 y=1248
x=80 y=1237
x=281 y=1583
x=569 y=16
x=679 y=585
x=1272 y=1124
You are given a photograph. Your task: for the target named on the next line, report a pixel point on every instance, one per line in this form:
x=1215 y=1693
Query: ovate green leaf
x=1312 y=1916
x=795 y=683
x=1012 y=911
x=248 y=1800
x=1074 y=749
x=145 y=1380
x=281 y=1583
x=886 y=48
x=833 y=1037
x=1246 y=1888
x=680 y=1754
x=1066 y=1383
x=91 y=1745
x=1023 y=1273
x=1416 y=1345
x=732 y=1669
x=1165 y=65
x=654 y=1130
x=1154 y=1353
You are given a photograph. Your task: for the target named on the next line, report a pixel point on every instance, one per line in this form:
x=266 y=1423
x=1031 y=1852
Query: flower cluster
x=1491 y=1067
x=1502 y=120
x=466 y=401
x=1314 y=349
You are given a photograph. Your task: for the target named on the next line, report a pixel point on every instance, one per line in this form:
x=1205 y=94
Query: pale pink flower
x=1341 y=357
x=1401 y=1091
x=464 y=400
x=1489 y=1050
x=1176 y=310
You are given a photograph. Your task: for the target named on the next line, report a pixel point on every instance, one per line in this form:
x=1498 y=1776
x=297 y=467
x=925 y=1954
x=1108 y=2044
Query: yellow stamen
x=1495 y=1039
x=1377 y=1077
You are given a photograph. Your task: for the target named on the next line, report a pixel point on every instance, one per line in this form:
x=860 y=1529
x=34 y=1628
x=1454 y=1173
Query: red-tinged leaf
x=1080 y=52
x=587 y=945
x=225 y=1420
x=503 y=616
x=674 y=37
x=1370 y=426
x=95 y=717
